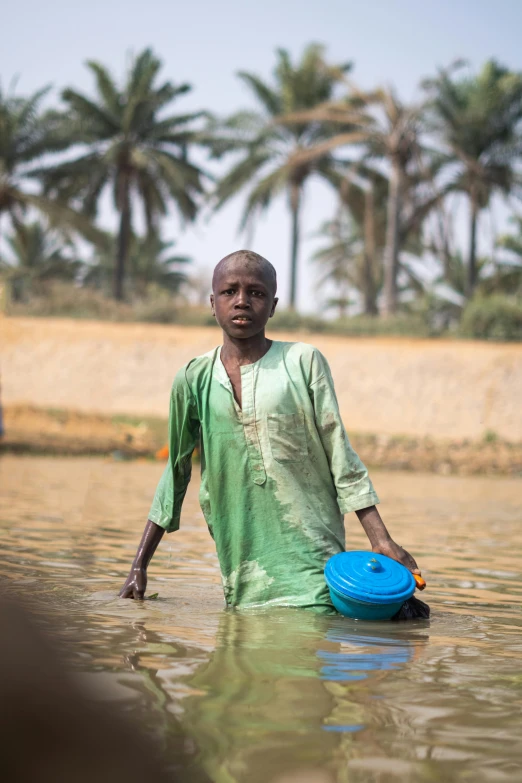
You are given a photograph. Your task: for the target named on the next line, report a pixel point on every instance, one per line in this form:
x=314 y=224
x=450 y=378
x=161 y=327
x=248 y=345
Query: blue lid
x=368 y=577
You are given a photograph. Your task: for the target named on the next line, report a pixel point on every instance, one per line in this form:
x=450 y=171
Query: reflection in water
x=351 y=664
x=286 y=695
x=265 y=696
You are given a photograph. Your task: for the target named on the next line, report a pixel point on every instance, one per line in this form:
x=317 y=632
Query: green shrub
x=195 y=315
x=410 y=325
x=404 y=324
x=164 y=311
x=65 y=300
x=291 y=321
x=494 y=317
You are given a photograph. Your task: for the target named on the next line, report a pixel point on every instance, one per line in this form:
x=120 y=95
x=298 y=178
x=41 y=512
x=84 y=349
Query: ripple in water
x=284 y=695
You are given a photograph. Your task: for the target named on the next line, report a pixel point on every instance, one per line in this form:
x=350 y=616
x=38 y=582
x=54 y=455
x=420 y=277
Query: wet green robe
x=277 y=475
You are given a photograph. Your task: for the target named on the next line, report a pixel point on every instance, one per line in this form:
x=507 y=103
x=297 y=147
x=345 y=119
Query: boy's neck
x=244 y=351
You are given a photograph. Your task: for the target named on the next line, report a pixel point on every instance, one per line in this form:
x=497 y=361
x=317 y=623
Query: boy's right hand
x=135 y=584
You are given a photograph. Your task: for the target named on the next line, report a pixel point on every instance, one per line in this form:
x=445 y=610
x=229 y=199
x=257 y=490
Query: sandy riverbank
x=387 y=386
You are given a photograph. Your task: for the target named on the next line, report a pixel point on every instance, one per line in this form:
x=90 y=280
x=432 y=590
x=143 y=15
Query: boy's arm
x=380 y=539
x=136 y=582
x=355 y=491
x=165 y=511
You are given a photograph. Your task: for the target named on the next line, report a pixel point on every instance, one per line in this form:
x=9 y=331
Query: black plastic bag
x=413 y=609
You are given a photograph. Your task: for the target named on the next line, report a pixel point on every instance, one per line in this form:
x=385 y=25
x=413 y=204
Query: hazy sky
x=390 y=41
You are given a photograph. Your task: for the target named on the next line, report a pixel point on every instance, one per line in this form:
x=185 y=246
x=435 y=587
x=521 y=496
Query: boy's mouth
x=241 y=319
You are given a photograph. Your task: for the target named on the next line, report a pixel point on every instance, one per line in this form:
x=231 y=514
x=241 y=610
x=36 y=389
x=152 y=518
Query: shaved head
x=246 y=260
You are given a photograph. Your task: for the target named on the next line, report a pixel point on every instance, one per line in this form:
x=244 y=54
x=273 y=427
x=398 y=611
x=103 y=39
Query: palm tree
x=151 y=262
x=129 y=145
x=445 y=292
x=507 y=274
x=268 y=148
x=453 y=273
x=478 y=119
x=388 y=130
x=26 y=135
x=364 y=194
x=396 y=139
x=36 y=255
x=513 y=242
x=342 y=261
x=359 y=233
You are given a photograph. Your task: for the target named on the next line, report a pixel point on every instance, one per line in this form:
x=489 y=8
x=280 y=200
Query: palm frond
x=262 y=194
x=267 y=97
x=240 y=175
x=60 y=215
x=106 y=87
x=97 y=123
x=141 y=76
x=181 y=179
x=29 y=108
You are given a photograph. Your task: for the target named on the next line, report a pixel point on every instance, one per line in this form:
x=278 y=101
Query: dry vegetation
x=52 y=431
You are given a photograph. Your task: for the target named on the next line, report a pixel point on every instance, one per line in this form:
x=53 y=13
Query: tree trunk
x=124 y=236
x=369 y=287
x=445 y=249
x=295 y=203
x=391 y=250
x=472 y=261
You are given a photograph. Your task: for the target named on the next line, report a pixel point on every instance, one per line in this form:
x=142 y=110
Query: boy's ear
x=274 y=305
x=212 y=304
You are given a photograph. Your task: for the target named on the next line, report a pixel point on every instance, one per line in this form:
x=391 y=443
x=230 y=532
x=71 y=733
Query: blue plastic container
x=367 y=586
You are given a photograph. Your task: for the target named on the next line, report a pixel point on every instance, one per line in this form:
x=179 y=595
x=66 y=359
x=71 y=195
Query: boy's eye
x=258 y=293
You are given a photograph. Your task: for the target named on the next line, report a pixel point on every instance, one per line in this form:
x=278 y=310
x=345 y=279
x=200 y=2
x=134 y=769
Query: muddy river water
x=287 y=695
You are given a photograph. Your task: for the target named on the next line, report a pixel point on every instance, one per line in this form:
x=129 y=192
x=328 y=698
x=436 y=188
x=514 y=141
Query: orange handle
x=419 y=581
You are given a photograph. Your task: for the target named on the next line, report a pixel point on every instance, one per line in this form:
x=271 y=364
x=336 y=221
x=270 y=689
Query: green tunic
x=277 y=475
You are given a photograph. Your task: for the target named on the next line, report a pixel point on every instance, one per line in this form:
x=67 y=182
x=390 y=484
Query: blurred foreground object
x=51 y=731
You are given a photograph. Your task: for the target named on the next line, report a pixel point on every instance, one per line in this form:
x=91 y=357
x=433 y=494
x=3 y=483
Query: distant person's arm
x=136 y=582
x=165 y=512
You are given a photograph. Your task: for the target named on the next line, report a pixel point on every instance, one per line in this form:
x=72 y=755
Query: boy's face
x=243 y=300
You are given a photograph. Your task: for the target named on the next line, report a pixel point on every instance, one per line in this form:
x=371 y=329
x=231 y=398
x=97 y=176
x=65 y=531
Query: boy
x=277 y=470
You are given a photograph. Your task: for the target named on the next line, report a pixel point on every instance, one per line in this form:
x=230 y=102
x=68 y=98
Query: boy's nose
x=243 y=300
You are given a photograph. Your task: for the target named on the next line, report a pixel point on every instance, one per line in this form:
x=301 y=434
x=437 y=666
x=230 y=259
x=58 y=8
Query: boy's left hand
x=396 y=552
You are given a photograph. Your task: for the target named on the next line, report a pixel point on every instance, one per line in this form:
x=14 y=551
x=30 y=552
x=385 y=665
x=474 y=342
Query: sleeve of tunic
x=354 y=488
x=183 y=436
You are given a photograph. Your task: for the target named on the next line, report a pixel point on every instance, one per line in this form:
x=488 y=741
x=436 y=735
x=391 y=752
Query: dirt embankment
x=451 y=406
x=41 y=431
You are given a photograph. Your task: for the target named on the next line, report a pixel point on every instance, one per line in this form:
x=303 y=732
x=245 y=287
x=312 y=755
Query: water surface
x=289 y=695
